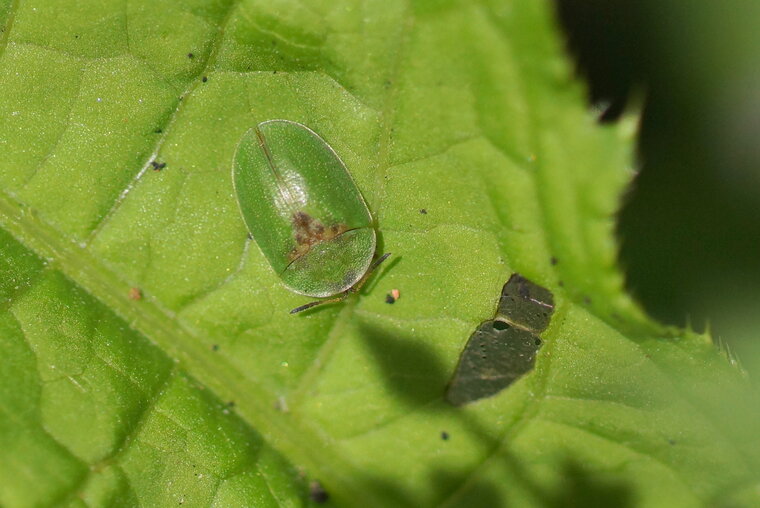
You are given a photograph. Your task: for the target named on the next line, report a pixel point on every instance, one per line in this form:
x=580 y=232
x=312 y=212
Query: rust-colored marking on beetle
x=308 y=231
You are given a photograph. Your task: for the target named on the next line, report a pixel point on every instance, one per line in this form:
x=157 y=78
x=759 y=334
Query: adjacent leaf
x=502 y=350
x=118 y=123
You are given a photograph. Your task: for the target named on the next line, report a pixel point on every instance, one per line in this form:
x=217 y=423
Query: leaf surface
x=197 y=387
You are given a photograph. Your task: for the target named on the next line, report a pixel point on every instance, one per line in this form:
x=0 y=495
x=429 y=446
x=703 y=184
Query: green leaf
x=468 y=110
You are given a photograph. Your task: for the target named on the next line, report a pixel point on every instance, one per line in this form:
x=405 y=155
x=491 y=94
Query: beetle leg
x=353 y=289
x=309 y=305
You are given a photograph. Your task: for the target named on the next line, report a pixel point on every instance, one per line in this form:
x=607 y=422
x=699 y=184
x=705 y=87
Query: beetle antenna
x=379 y=260
x=369 y=273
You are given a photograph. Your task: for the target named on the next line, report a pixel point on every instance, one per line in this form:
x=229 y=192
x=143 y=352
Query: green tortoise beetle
x=304 y=211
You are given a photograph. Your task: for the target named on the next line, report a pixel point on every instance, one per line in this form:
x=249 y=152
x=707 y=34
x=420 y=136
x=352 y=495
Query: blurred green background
x=690 y=225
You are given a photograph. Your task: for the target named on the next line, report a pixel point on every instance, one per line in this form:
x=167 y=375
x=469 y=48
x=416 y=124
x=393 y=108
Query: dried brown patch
x=308 y=231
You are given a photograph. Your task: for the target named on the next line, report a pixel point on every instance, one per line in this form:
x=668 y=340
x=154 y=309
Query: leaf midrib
x=183 y=344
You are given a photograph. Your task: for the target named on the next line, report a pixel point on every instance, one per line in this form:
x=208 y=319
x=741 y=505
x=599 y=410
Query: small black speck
x=158 y=131
x=274 y=72
x=537 y=342
x=250 y=236
x=389 y=298
x=190 y=55
x=587 y=300
x=317 y=493
x=157 y=166
x=204 y=79
x=231 y=403
x=553 y=260
x=445 y=435
x=423 y=211
x=76 y=37
x=214 y=347
x=671 y=442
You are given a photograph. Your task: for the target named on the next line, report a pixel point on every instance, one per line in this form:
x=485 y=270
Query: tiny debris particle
x=445 y=435
x=158 y=131
x=135 y=294
x=317 y=493
x=204 y=79
x=394 y=295
x=157 y=166
x=190 y=55
x=231 y=403
x=423 y=211
x=553 y=261
x=214 y=347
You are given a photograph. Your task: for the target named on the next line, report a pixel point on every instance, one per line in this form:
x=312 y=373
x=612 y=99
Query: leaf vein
x=168 y=124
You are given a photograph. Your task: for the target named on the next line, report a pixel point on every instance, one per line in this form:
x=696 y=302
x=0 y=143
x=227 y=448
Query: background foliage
x=690 y=222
